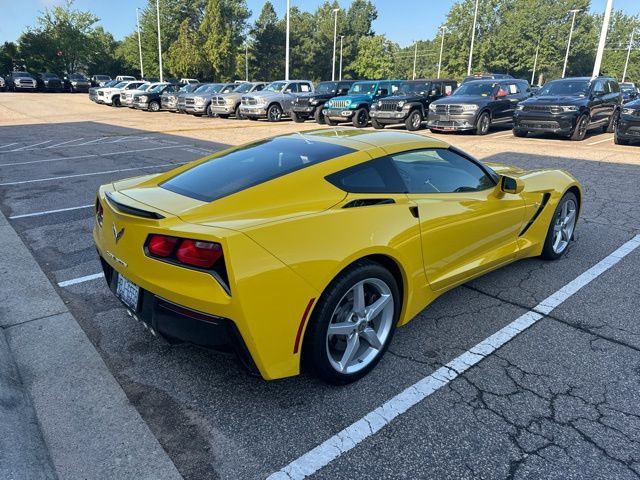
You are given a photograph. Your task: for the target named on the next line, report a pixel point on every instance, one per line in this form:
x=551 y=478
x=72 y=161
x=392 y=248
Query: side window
x=511 y=88
x=304 y=87
x=374 y=176
x=436 y=88
x=440 y=171
x=259 y=87
x=291 y=88
x=598 y=87
x=394 y=88
x=344 y=86
x=615 y=87
x=449 y=88
x=382 y=89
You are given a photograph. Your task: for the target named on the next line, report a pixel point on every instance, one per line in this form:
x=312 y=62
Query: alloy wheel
x=416 y=120
x=360 y=326
x=564 y=225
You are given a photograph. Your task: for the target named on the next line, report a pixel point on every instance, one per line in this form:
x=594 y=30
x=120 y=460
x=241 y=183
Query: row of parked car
x=569 y=107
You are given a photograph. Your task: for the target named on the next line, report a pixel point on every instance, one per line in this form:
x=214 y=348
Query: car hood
x=263 y=94
x=355 y=98
x=239 y=211
x=463 y=99
x=635 y=105
x=406 y=98
x=555 y=100
x=323 y=96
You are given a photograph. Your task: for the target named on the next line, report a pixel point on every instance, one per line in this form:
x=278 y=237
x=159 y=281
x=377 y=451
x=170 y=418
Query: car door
x=383 y=89
x=467 y=225
x=288 y=95
x=598 y=108
x=501 y=104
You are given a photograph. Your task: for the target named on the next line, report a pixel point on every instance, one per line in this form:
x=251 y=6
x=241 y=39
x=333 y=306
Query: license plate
x=128 y=292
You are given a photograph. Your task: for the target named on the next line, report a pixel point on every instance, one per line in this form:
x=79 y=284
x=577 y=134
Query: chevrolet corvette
x=306 y=251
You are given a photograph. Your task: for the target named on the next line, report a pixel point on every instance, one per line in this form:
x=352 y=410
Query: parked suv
x=77 y=82
x=275 y=100
x=151 y=99
x=3 y=84
x=111 y=95
x=20 y=81
x=410 y=104
x=93 y=91
x=628 y=127
x=354 y=106
x=49 y=82
x=126 y=96
x=478 y=105
x=310 y=105
x=485 y=76
x=225 y=104
x=199 y=102
x=100 y=80
x=169 y=100
x=570 y=106
x=129 y=78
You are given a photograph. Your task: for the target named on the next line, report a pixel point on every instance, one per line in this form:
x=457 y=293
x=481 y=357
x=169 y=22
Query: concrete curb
x=89 y=427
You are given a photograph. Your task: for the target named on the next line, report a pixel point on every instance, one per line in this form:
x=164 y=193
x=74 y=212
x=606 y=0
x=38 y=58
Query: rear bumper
x=177 y=323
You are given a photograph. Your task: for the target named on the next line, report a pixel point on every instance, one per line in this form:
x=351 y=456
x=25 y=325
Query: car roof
x=365 y=140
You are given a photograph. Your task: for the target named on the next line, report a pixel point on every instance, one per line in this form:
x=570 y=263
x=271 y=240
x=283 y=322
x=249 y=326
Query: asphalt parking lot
x=559 y=400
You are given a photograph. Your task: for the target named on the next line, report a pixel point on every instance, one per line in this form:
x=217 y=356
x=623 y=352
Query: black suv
x=629 y=91
x=410 y=103
x=478 y=105
x=628 y=127
x=20 y=81
x=570 y=106
x=151 y=99
x=49 y=82
x=309 y=105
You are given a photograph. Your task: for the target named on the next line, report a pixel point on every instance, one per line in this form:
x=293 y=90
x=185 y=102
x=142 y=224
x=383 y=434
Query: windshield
x=112 y=83
x=363 y=88
x=479 y=89
x=275 y=87
x=627 y=89
x=243 y=88
x=158 y=88
x=572 y=88
x=21 y=75
x=77 y=76
x=414 y=88
x=213 y=88
x=327 y=87
x=103 y=77
x=120 y=85
x=49 y=75
x=189 y=87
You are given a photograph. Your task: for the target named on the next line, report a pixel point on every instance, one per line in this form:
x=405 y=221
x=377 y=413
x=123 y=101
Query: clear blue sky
x=401 y=20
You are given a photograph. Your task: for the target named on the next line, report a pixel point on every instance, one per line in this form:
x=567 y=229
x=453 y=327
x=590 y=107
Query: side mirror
x=511 y=185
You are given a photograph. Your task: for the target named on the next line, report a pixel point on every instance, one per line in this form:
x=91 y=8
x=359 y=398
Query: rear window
x=251 y=165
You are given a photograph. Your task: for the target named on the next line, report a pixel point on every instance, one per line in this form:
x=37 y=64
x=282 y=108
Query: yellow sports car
x=310 y=249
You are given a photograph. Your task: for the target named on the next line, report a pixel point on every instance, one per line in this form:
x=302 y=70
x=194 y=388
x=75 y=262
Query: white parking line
x=8 y=145
x=342 y=442
x=89 y=155
x=95 y=140
x=502 y=136
x=29 y=146
x=601 y=141
x=47 y=212
x=75 y=281
x=62 y=177
x=64 y=143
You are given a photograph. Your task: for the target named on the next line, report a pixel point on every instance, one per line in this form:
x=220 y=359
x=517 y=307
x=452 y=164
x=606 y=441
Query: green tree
x=8 y=54
x=184 y=58
x=376 y=58
x=266 y=51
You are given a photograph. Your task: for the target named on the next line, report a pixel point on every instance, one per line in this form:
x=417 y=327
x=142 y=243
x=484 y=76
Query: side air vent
x=366 y=202
x=543 y=203
x=136 y=212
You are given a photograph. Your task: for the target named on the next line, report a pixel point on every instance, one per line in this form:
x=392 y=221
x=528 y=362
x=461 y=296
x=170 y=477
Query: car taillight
x=195 y=253
x=199 y=254
x=162 y=246
x=99 y=212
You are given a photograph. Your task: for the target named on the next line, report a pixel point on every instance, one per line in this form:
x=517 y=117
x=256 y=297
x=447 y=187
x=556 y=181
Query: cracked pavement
x=559 y=401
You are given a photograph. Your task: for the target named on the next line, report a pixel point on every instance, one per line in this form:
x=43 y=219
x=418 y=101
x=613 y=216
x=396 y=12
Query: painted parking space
x=215 y=421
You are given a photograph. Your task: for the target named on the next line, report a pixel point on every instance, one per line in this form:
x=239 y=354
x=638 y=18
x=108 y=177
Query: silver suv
x=275 y=101
x=226 y=104
x=199 y=102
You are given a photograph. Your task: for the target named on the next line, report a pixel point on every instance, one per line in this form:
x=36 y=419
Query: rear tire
x=360 y=118
x=376 y=124
x=210 y=113
x=613 y=122
x=561 y=227
x=347 y=303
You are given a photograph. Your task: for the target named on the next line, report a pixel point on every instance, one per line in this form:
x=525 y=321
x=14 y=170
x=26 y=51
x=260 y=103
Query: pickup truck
x=275 y=101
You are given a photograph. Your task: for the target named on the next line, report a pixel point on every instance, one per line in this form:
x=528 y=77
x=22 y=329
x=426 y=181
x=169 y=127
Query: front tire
x=154 y=106
x=483 y=124
x=274 y=113
x=360 y=118
x=613 y=122
x=619 y=141
x=413 y=121
x=580 y=130
x=353 y=323
x=318 y=116
x=561 y=228
x=520 y=133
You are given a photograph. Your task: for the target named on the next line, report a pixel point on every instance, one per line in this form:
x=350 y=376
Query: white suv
x=111 y=95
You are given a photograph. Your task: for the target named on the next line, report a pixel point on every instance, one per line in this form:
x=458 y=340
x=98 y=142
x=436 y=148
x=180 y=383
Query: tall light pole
x=159 y=44
x=286 y=55
x=443 y=29
x=335 y=32
x=246 y=60
x=626 y=63
x=415 y=58
x=603 y=38
x=340 y=74
x=535 y=64
x=139 y=44
x=473 y=38
x=566 y=57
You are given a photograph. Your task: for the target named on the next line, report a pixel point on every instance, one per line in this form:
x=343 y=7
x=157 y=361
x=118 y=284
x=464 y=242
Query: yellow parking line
x=601 y=141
